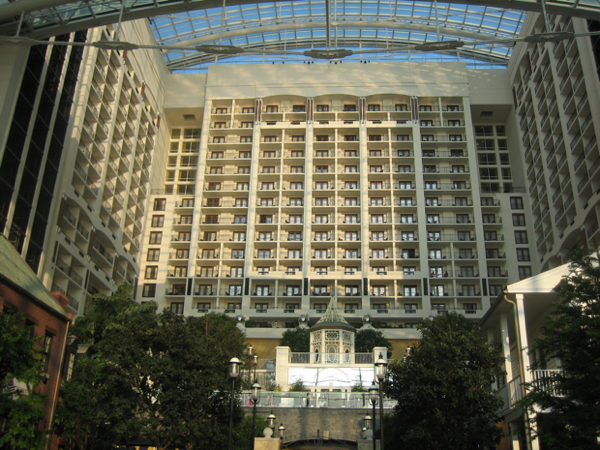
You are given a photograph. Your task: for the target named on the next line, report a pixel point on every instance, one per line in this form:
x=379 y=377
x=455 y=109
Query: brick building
x=22 y=292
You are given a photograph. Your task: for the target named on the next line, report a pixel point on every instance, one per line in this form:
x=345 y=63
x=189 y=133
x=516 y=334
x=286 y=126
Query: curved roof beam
x=46 y=18
x=291 y=25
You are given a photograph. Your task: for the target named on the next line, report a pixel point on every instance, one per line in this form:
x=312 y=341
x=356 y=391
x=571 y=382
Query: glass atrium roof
x=279 y=32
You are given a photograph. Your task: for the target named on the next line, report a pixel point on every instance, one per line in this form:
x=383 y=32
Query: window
x=375 y=184
x=212 y=219
x=375 y=169
x=379 y=291
x=351 y=218
x=236 y=272
x=321 y=218
x=220 y=110
x=350 y=201
x=272 y=108
x=213 y=202
x=297 y=154
x=158 y=221
x=322 y=108
x=426 y=123
x=297 y=169
x=427 y=137
x=523 y=254
x=292 y=290
x=403 y=137
x=465 y=253
x=265 y=218
x=349 y=107
x=238 y=236
x=267 y=186
x=321 y=201
x=458 y=169
x=456 y=137
x=437 y=291
x=350 y=169
x=373 y=107
x=434 y=236
x=183 y=236
x=234 y=289
x=432 y=201
x=248 y=110
x=350 y=185
x=245 y=139
x=216 y=155
x=408 y=236
x=322 y=138
x=320 y=254
x=436 y=254
x=488 y=218
x=463 y=218
x=268 y=169
x=321 y=185
x=430 y=168
x=151 y=272
x=350 y=153
x=407 y=270
x=377 y=236
x=243 y=186
x=459 y=185
x=296 y=185
x=351 y=236
x=153 y=254
x=351 y=254
x=218 y=139
x=524 y=272
x=265 y=235
x=241 y=202
x=490 y=236
x=495 y=290
x=244 y=155
x=209 y=236
x=177 y=308
x=322 y=153
x=155 y=237
x=263 y=254
x=521 y=237
x=375 y=137
x=321 y=236
x=378 y=254
x=410 y=291
x=294 y=254
x=516 y=203
x=264 y=202
x=270 y=139
x=377 y=218
x=149 y=290
x=433 y=218
x=401 y=107
x=214 y=186
x=376 y=201
x=220 y=124
x=406 y=218
x=295 y=218
x=405 y=185
x=350 y=138
x=240 y=219
x=518 y=220
x=246 y=125
x=431 y=185
x=298 y=108
x=454 y=123
x=296 y=201
x=180 y=271
x=159 y=204
x=456 y=153
x=464 y=235
x=294 y=236
x=237 y=254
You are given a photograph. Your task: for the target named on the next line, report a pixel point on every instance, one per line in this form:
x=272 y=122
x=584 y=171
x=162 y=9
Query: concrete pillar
x=282 y=367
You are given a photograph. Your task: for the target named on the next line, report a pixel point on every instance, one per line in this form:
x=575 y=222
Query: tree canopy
x=297 y=339
x=367 y=339
x=21 y=409
x=571 y=335
x=443 y=389
x=161 y=377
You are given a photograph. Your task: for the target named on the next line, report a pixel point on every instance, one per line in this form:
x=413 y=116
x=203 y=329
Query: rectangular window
x=524 y=272
x=266 y=202
x=263 y=254
x=321 y=185
x=155 y=237
x=516 y=203
x=243 y=186
x=151 y=272
x=214 y=186
x=350 y=169
x=177 y=308
x=376 y=201
x=321 y=236
x=240 y=219
x=149 y=290
x=265 y=235
x=160 y=204
x=272 y=108
x=267 y=186
x=377 y=218
x=521 y=237
x=523 y=254
x=216 y=155
x=236 y=272
x=241 y=202
x=297 y=169
x=245 y=139
x=296 y=202
x=406 y=218
x=239 y=236
x=246 y=125
x=218 y=139
x=294 y=254
x=294 y=236
x=248 y=110
x=297 y=154
x=321 y=218
x=212 y=219
x=350 y=185
x=244 y=155
x=158 y=221
x=322 y=108
x=518 y=220
x=295 y=218
x=321 y=201
x=153 y=254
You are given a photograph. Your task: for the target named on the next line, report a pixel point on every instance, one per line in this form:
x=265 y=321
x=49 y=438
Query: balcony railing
x=331 y=358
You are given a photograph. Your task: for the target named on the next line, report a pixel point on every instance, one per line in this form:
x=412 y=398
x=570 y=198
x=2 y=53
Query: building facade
x=401 y=189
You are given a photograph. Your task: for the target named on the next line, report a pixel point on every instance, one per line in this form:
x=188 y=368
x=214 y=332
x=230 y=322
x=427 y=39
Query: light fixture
x=381 y=368
x=234 y=367
x=271 y=418
x=367 y=421
x=281 y=430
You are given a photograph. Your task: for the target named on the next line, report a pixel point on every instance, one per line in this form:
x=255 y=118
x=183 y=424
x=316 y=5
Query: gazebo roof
x=332 y=319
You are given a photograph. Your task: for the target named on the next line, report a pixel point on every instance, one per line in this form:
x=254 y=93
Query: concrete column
x=282 y=366
x=524 y=340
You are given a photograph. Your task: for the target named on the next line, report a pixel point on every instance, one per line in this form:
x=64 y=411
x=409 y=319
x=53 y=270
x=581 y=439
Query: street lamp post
x=281 y=430
x=381 y=373
x=271 y=418
x=234 y=372
x=255 y=397
x=374 y=397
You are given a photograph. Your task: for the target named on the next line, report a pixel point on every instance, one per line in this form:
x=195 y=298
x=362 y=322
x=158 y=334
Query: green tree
x=571 y=335
x=443 y=389
x=367 y=339
x=297 y=339
x=158 y=376
x=21 y=409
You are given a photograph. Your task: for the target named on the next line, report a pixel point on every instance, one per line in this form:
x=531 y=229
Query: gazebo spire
x=332 y=314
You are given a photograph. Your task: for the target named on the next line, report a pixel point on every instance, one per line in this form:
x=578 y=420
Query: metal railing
x=331 y=358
